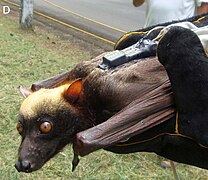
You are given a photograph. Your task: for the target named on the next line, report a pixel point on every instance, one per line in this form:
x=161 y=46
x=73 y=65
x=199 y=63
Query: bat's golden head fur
x=44 y=100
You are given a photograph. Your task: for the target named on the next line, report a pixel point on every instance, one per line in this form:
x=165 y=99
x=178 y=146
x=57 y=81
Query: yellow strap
x=198 y=20
x=176 y=124
x=126 y=36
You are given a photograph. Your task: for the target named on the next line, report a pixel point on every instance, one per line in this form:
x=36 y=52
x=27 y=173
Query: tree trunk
x=26 y=14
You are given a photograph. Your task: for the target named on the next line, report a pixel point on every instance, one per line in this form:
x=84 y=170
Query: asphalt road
x=117 y=13
x=120 y=14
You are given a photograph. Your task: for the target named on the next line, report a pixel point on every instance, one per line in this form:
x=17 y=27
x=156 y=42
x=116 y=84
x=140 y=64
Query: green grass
x=28 y=57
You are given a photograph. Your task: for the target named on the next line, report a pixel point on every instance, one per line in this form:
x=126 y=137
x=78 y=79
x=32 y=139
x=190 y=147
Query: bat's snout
x=23 y=166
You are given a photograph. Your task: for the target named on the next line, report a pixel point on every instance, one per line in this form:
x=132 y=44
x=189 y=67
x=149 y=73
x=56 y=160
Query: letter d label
x=6 y=9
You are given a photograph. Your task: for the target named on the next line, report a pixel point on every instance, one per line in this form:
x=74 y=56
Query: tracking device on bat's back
x=142 y=49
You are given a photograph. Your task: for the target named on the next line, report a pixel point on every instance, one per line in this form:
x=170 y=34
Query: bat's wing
x=139 y=116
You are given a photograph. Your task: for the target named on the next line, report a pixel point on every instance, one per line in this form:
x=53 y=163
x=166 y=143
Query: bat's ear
x=74 y=90
x=25 y=91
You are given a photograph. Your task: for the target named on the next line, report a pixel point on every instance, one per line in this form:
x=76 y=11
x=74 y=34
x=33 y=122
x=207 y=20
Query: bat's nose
x=24 y=166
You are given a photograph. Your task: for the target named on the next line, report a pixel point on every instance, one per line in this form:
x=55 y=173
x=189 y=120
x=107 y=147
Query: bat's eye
x=20 y=128
x=45 y=127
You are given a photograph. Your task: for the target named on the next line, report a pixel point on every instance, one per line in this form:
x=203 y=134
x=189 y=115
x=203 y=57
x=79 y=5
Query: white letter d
x=6 y=9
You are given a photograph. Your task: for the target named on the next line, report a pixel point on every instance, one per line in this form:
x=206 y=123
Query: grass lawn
x=28 y=57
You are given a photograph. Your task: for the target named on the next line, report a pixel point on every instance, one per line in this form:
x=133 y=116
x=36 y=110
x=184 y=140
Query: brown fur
x=109 y=91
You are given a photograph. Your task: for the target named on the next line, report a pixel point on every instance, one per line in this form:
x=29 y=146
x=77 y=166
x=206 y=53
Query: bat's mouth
x=25 y=166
